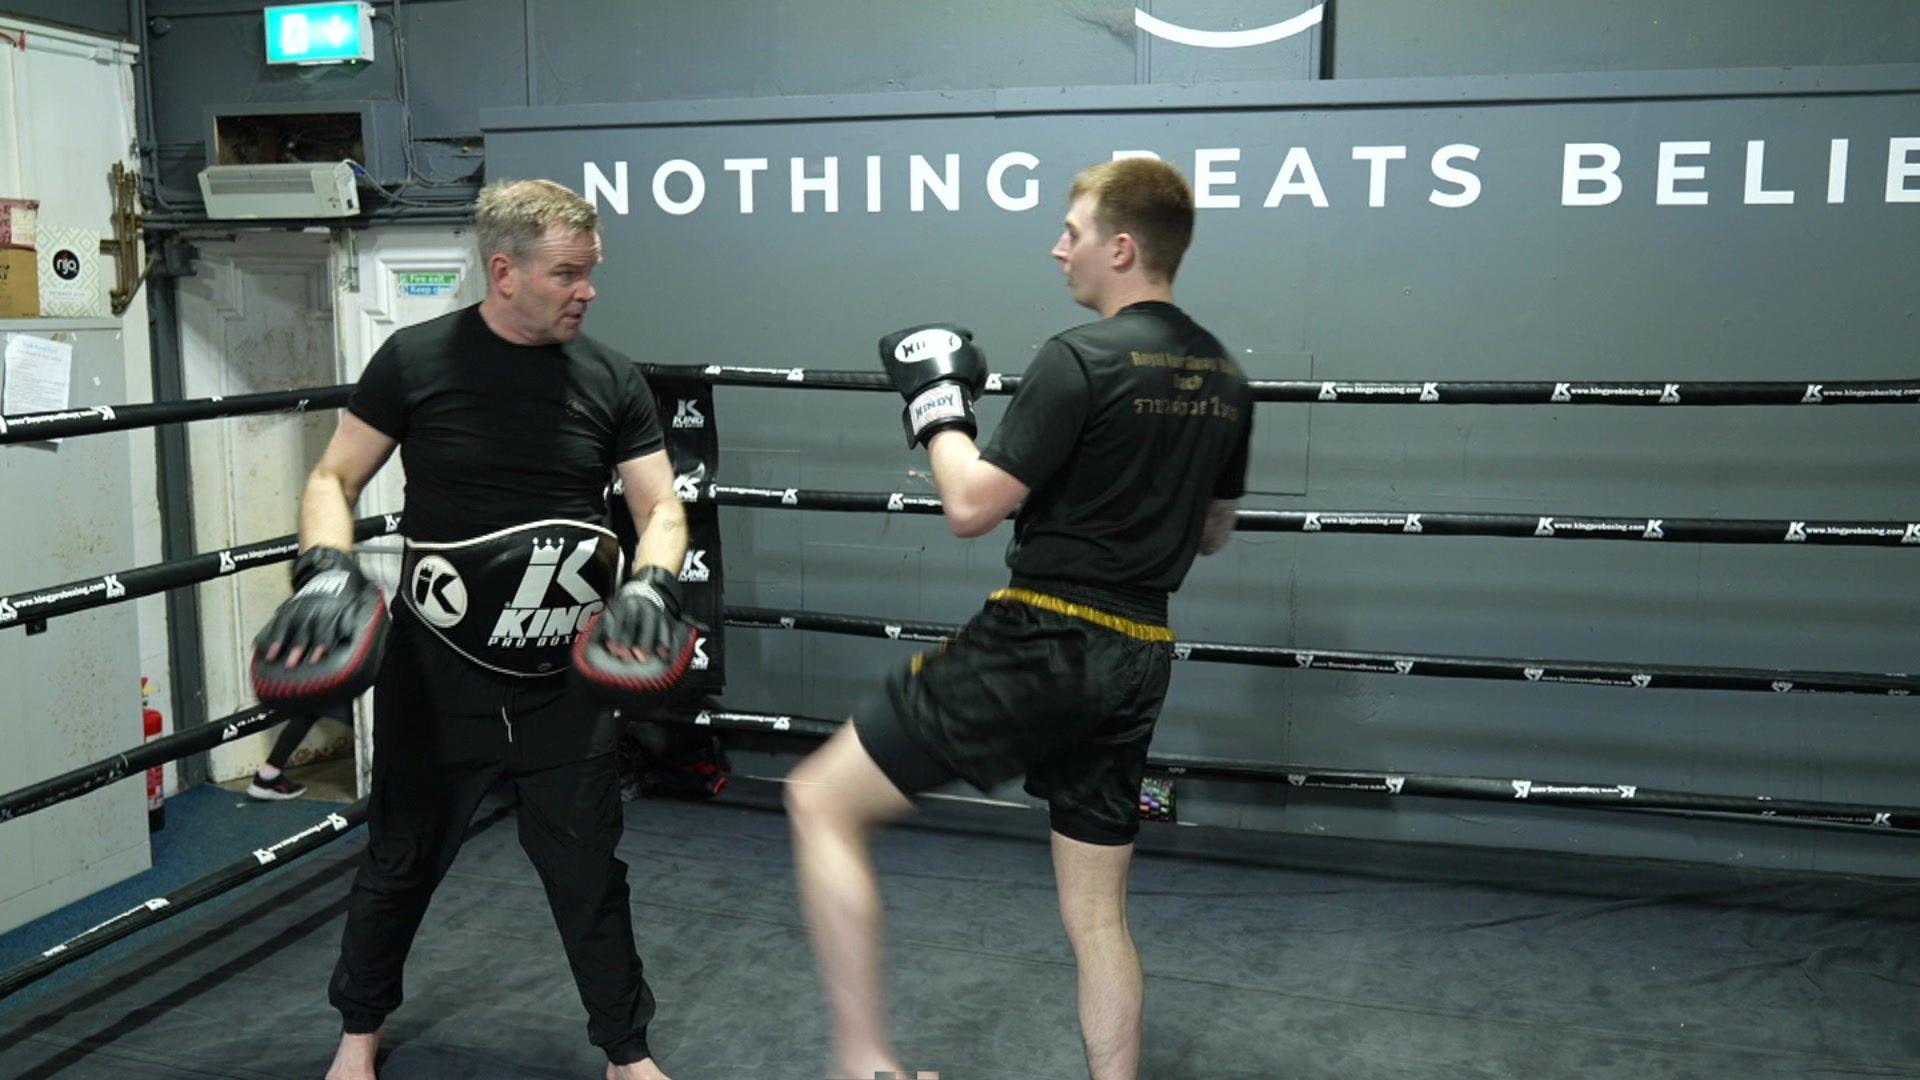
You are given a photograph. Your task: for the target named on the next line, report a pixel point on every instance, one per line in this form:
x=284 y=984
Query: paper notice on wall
x=19 y=219
x=39 y=373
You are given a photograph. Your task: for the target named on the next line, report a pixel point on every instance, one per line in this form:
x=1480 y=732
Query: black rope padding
x=1537 y=392
x=1358 y=392
x=800 y=727
x=192 y=894
x=799 y=378
x=1553 y=792
x=1506 y=669
x=1610 y=796
x=1412 y=523
x=38 y=605
x=885 y=502
x=1580 y=527
x=77 y=782
x=66 y=423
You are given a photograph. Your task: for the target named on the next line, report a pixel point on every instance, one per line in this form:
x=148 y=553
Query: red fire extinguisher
x=150 y=724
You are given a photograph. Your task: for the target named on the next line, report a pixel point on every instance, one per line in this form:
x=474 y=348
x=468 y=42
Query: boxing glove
x=940 y=372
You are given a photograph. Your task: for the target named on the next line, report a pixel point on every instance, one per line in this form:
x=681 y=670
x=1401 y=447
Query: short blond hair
x=510 y=216
x=1144 y=197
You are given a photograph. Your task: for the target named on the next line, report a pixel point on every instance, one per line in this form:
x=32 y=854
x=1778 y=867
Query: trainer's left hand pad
x=655 y=642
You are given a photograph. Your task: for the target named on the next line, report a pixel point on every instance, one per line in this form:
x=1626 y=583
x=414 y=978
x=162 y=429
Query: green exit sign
x=319 y=33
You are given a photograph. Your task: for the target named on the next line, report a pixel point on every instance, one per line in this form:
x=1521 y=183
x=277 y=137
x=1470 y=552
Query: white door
x=257 y=315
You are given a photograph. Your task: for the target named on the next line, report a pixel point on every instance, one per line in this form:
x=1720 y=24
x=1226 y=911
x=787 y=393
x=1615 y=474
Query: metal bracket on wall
x=128 y=271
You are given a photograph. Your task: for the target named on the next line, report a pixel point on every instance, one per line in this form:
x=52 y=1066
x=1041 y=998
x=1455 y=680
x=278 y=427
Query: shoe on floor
x=278 y=789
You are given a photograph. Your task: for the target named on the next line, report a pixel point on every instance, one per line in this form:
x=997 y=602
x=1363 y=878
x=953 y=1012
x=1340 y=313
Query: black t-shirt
x=494 y=434
x=1125 y=429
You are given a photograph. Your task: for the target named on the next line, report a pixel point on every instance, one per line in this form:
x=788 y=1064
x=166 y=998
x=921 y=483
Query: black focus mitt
x=323 y=645
x=640 y=645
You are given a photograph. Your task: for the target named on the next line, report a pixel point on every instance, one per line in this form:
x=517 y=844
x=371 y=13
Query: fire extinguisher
x=150 y=724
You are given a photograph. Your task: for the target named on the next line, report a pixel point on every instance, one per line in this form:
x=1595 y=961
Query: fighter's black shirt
x=1124 y=429
x=494 y=434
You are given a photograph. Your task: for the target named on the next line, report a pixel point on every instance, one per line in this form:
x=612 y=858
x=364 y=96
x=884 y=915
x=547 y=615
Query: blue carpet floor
x=207 y=828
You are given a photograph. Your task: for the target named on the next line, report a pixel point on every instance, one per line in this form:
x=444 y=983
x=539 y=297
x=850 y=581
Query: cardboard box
x=19 y=283
x=19 y=223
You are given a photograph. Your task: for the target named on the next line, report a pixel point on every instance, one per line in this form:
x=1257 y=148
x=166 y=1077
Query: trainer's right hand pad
x=333 y=629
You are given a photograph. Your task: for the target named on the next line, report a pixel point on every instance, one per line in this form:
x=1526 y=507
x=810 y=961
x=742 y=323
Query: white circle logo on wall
x=437 y=592
x=1229 y=39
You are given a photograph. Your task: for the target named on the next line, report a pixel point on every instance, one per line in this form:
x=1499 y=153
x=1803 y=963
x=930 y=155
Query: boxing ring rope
x=34 y=607
x=77 y=782
x=1610 y=795
x=93 y=420
x=192 y=894
x=1614 y=796
x=1372 y=392
x=1406 y=523
x=88 y=593
x=65 y=423
x=131 y=762
x=1504 y=669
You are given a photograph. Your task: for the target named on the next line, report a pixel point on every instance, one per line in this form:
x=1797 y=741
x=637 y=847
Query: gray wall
x=1389 y=38
x=1514 y=286
x=100 y=16
x=469 y=55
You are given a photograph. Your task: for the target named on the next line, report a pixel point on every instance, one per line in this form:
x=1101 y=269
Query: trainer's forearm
x=326 y=513
x=663 y=542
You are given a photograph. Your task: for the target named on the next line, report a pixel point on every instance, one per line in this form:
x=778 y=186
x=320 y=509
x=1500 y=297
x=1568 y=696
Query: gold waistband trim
x=1143 y=631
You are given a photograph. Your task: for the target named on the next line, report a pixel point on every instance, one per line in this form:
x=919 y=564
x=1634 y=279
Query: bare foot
x=354 y=1059
x=883 y=1069
x=644 y=1069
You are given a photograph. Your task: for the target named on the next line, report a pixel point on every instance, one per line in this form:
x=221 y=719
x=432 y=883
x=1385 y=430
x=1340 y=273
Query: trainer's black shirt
x=1125 y=429
x=495 y=434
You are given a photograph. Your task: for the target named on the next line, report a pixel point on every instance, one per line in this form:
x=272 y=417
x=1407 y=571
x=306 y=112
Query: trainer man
x=1125 y=450
x=511 y=425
